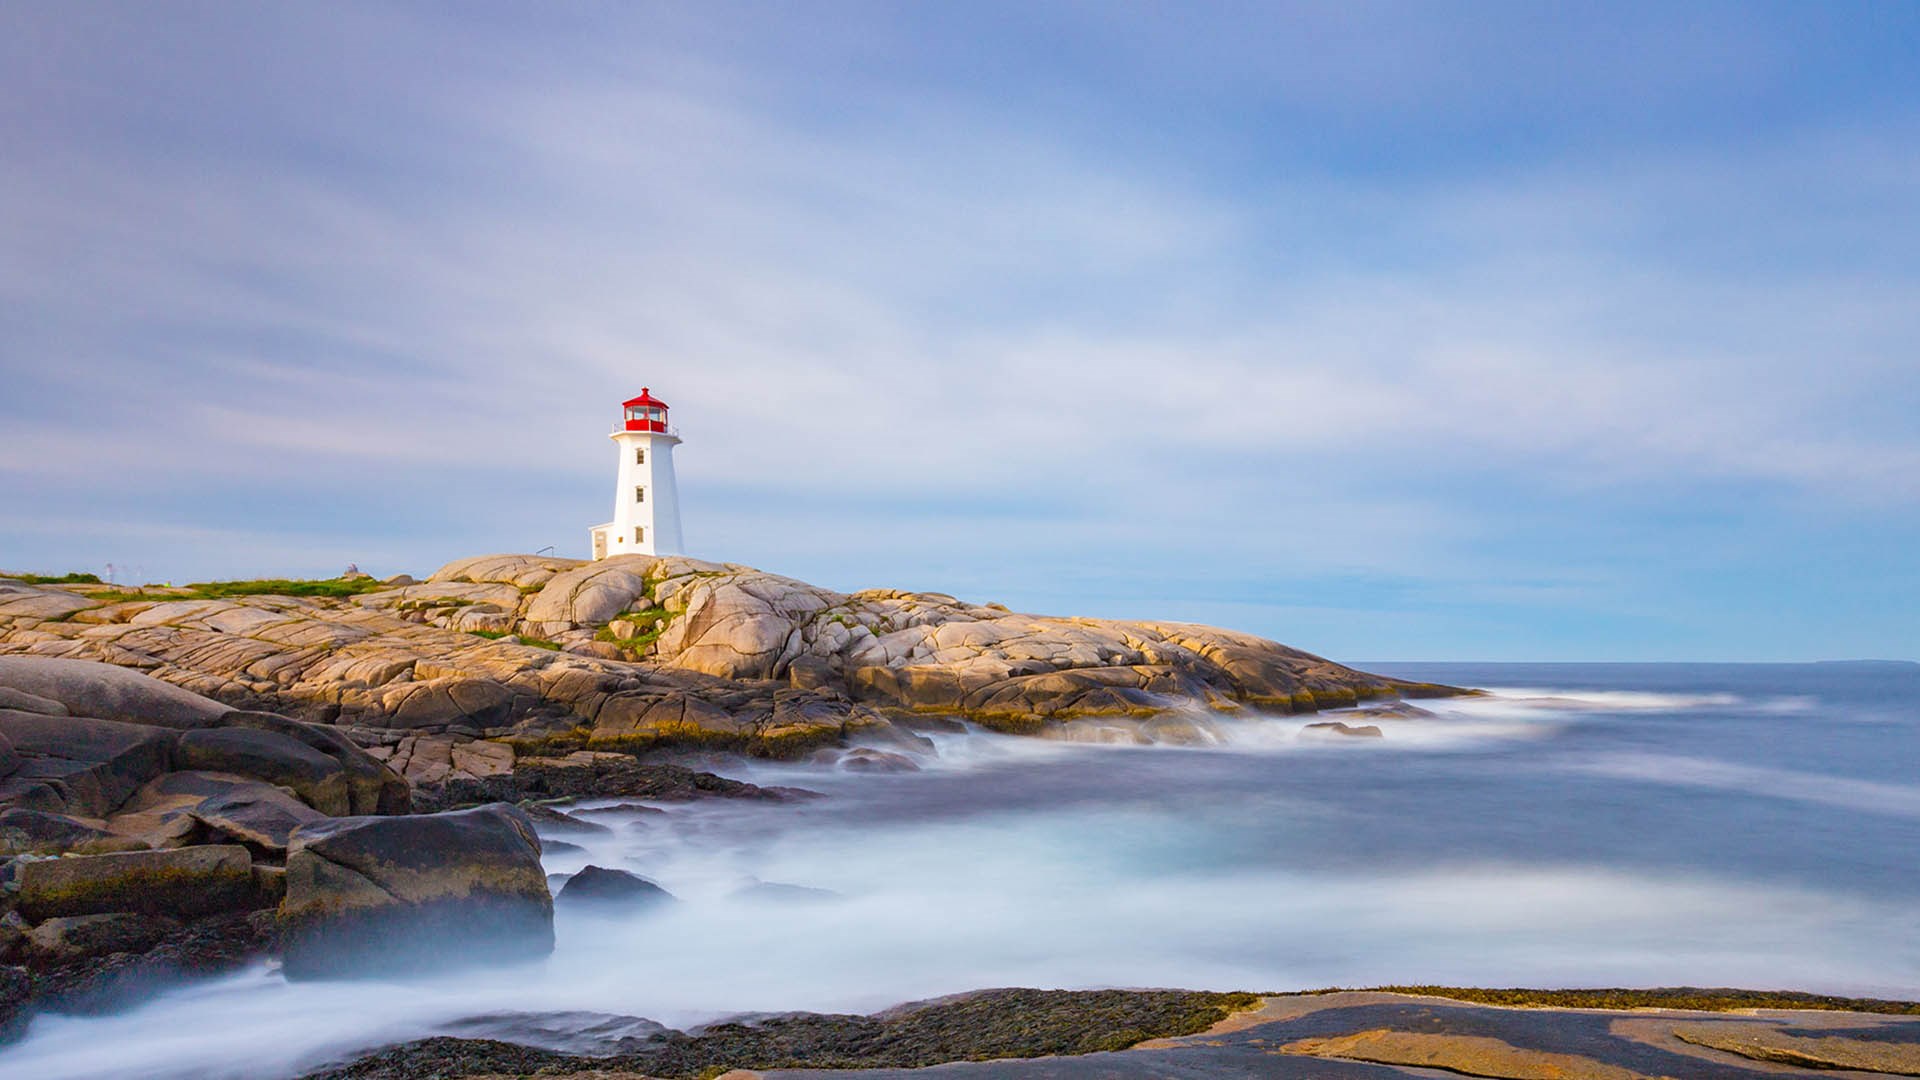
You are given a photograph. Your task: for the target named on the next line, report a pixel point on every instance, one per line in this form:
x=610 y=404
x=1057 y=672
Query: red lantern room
x=646 y=413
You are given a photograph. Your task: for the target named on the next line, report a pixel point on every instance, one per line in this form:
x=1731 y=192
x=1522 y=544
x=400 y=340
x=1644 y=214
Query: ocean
x=1582 y=825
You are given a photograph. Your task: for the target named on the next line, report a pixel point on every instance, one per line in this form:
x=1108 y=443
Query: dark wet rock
x=261 y=815
x=625 y=809
x=88 y=688
x=270 y=756
x=9 y=757
x=182 y=882
x=76 y=936
x=90 y=765
x=206 y=946
x=16 y=988
x=573 y=1032
x=429 y=890
x=597 y=885
x=786 y=894
x=982 y=1025
x=547 y=820
x=36 y=832
x=372 y=787
x=589 y=774
x=447 y=1057
x=549 y=846
x=1395 y=710
x=877 y=761
x=1334 y=727
x=13 y=936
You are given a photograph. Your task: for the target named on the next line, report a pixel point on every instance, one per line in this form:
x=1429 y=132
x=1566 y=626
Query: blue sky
x=1420 y=331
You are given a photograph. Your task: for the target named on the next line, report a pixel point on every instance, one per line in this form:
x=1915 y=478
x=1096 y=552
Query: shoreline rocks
x=370 y=894
x=148 y=843
x=504 y=657
x=186 y=881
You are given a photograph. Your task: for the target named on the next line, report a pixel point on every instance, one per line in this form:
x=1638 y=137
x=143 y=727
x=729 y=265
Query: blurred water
x=1745 y=825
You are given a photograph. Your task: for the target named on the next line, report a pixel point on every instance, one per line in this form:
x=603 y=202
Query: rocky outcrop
x=102 y=773
x=600 y=887
x=142 y=844
x=400 y=893
x=635 y=653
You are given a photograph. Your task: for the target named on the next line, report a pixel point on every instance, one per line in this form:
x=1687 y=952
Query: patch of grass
x=522 y=639
x=426 y=603
x=46 y=579
x=652 y=621
x=122 y=596
x=326 y=588
x=1713 y=999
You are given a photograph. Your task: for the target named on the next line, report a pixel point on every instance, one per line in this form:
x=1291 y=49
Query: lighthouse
x=646 y=503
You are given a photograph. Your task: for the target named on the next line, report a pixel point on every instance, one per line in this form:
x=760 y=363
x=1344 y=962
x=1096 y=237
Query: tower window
x=639 y=534
x=639 y=494
x=639 y=455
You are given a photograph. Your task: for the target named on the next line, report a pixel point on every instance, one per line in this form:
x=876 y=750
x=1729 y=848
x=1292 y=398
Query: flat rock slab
x=181 y=882
x=72 y=936
x=1367 y=1036
x=259 y=814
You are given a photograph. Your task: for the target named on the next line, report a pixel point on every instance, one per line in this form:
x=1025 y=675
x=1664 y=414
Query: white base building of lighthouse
x=646 y=501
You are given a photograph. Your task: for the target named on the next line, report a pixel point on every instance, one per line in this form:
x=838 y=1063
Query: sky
x=1388 y=330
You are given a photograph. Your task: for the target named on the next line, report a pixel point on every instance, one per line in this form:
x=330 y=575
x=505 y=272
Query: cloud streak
x=920 y=310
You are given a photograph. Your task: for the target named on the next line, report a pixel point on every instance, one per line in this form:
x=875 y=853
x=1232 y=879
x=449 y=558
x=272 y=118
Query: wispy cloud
x=899 y=299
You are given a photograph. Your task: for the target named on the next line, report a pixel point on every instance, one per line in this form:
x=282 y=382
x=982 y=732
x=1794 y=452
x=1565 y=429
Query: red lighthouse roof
x=645 y=413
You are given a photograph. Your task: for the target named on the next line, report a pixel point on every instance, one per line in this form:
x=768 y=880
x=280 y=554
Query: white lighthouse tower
x=646 y=503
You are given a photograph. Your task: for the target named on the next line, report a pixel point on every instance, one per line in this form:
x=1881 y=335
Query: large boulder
x=598 y=886
x=372 y=787
x=92 y=766
x=590 y=595
x=370 y=894
x=183 y=882
x=270 y=756
x=87 y=688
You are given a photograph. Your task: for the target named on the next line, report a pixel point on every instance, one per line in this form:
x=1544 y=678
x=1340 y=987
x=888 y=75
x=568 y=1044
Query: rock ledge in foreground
x=378 y=894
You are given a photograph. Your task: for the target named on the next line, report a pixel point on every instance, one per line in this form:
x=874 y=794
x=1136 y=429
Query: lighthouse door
x=599 y=544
